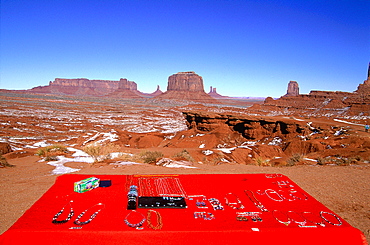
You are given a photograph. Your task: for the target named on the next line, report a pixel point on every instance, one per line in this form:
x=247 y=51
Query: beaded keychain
x=77 y=221
x=71 y=212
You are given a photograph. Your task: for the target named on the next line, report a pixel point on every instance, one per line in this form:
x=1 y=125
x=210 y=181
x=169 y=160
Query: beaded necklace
x=71 y=212
x=136 y=225
x=78 y=222
x=159 y=220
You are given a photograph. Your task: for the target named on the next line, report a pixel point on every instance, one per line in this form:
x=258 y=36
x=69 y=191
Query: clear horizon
x=244 y=48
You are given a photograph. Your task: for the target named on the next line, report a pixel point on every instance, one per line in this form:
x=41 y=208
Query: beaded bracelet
x=71 y=212
x=77 y=221
x=137 y=224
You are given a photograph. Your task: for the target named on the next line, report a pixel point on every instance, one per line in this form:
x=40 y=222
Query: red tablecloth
x=179 y=225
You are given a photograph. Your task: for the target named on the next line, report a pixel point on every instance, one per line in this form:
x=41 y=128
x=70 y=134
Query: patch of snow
x=309 y=159
x=59 y=165
x=342 y=121
x=202 y=146
x=227 y=150
x=275 y=141
x=169 y=163
x=207 y=152
x=248 y=143
x=91 y=139
x=123 y=163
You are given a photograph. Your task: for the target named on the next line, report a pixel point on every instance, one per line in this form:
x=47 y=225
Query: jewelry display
x=216 y=205
x=323 y=213
x=70 y=214
x=235 y=205
x=159 y=220
x=288 y=220
x=134 y=225
x=162 y=202
x=160 y=186
x=255 y=201
x=204 y=215
x=243 y=216
x=78 y=222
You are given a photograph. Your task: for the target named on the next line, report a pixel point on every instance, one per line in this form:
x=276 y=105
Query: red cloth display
x=179 y=224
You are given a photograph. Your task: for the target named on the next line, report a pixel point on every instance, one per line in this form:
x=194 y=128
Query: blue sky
x=243 y=48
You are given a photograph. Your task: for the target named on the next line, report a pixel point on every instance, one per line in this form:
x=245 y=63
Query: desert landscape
x=92 y=127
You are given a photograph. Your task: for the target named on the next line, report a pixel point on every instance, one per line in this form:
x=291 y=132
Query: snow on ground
x=169 y=163
x=342 y=121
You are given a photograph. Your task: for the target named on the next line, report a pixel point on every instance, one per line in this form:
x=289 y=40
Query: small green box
x=86 y=184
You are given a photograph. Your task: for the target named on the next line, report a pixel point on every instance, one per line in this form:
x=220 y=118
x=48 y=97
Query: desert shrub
x=184 y=154
x=294 y=159
x=4 y=162
x=100 y=152
x=260 y=161
x=321 y=161
x=50 y=152
x=44 y=151
x=150 y=156
x=343 y=161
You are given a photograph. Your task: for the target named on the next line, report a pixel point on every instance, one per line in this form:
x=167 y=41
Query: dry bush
x=51 y=152
x=260 y=161
x=4 y=162
x=294 y=159
x=185 y=155
x=150 y=156
x=100 y=152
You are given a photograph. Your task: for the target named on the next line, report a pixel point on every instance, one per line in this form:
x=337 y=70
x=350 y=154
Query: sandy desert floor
x=343 y=189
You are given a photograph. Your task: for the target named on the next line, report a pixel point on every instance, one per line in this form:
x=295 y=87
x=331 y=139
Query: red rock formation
x=151 y=95
x=320 y=102
x=185 y=81
x=293 y=89
x=186 y=86
x=214 y=93
x=85 y=87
